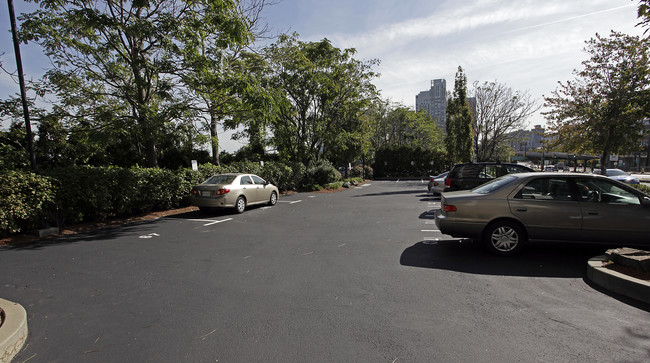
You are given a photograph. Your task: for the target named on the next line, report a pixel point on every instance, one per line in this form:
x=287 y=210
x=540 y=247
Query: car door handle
x=592 y=213
x=522 y=209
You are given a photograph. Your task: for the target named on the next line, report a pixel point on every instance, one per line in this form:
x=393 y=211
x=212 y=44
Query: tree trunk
x=152 y=157
x=214 y=137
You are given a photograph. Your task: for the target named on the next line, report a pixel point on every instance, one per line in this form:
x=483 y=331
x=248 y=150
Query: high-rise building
x=434 y=102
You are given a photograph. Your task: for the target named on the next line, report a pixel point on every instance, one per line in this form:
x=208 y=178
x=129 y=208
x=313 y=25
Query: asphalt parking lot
x=358 y=275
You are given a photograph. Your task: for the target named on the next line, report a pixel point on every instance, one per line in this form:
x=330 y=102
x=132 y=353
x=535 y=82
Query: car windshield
x=615 y=172
x=220 y=179
x=494 y=184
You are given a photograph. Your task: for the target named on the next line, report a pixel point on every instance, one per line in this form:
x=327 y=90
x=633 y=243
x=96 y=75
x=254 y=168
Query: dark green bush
x=321 y=173
x=279 y=174
x=358 y=171
x=76 y=194
x=24 y=198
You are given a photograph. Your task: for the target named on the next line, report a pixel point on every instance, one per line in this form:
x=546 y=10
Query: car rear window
x=467 y=171
x=220 y=179
x=494 y=184
x=511 y=169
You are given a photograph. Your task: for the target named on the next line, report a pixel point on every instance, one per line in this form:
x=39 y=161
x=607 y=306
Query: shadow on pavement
x=399 y=192
x=106 y=233
x=543 y=260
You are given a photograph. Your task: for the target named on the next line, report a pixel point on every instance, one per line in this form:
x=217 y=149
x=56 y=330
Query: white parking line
x=429 y=230
x=215 y=222
x=296 y=201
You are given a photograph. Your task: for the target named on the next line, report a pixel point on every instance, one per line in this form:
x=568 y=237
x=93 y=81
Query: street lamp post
x=21 y=79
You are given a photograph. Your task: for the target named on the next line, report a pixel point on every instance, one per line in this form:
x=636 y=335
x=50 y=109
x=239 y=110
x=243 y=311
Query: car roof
x=556 y=174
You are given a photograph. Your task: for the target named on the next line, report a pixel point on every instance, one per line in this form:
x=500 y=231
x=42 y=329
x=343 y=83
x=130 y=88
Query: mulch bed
x=637 y=274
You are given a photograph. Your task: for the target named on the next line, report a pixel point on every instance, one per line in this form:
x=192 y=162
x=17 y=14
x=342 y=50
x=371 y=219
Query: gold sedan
x=233 y=190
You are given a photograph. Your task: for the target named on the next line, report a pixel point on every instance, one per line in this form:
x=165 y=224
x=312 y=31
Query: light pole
x=21 y=79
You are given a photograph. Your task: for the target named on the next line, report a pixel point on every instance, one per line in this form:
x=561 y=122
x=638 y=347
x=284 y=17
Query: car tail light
x=449 y=208
x=448 y=182
x=222 y=191
x=430 y=179
x=435 y=184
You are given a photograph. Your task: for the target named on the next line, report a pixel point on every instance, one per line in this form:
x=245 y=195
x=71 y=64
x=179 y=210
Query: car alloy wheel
x=505 y=238
x=274 y=198
x=240 y=205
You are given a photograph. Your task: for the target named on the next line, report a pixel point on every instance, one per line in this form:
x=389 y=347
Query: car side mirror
x=645 y=201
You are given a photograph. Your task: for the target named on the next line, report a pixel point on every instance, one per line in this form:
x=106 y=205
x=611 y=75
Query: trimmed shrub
x=321 y=173
x=279 y=174
x=24 y=199
x=358 y=171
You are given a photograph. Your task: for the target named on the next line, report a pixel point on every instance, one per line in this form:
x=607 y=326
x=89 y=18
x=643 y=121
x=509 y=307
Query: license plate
x=205 y=194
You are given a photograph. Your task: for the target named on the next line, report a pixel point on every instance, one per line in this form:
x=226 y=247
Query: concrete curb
x=617 y=282
x=13 y=330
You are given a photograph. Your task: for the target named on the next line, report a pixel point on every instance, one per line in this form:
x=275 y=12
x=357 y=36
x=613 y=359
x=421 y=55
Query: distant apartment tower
x=434 y=102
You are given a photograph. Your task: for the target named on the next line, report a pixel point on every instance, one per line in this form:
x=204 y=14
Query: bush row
x=69 y=195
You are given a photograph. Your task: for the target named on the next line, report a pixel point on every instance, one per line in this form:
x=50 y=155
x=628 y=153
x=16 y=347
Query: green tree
x=602 y=109
x=320 y=93
x=459 y=122
x=114 y=64
x=396 y=125
x=226 y=77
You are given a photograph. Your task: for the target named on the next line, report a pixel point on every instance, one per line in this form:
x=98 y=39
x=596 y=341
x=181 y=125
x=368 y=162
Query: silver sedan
x=511 y=210
x=233 y=191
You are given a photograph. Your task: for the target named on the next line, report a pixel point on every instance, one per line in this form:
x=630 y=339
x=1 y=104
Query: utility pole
x=23 y=93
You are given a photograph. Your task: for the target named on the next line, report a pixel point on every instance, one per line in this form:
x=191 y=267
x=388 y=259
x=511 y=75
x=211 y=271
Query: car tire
x=504 y=238
x=205 y=209
x=240 y=205
x=274 y=199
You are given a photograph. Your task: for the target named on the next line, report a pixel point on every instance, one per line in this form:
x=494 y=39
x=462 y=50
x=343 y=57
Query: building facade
x=434 y=102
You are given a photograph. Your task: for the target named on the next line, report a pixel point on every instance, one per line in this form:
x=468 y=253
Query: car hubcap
x=241 y=204
x=505 y=239
x=273 y=198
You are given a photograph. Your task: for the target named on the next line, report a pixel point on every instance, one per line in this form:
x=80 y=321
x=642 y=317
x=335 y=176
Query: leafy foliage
x=23 y=197
x=602 y=109
x=115 y=64
x=407 y=161
x=320 y=93
x=459 y=122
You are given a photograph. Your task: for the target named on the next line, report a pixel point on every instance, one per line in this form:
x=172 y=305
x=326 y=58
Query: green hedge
x=64 y=196
x=23 y=198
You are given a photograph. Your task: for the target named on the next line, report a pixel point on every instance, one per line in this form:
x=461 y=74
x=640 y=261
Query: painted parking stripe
x=219 y=221
x=429 y=230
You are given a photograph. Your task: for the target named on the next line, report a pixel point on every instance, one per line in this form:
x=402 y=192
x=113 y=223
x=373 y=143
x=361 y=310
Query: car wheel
x=504 y=238
x=274 y=199
x=240 y=205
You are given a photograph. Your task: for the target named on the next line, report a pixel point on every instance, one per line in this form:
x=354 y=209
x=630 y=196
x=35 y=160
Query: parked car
x=233 y=191
x=468 y=176
x=620 y=175
x=509 y=211
x=437 y=183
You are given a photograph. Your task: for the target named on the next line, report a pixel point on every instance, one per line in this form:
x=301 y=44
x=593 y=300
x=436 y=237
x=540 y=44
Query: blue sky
x=527 y=45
